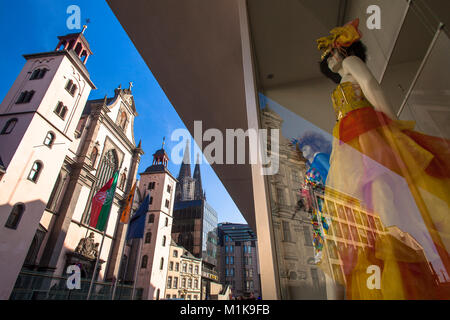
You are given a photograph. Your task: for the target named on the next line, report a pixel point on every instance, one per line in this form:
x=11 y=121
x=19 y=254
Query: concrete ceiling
x=284 y=35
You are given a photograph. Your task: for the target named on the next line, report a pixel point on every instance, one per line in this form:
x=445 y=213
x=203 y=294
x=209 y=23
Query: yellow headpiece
x=340 y=37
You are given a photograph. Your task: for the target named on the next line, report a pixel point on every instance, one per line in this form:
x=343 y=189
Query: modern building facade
x=195 y=221
x=267 y=54
x=58 y=149
x=184 y=274
x=238 y=259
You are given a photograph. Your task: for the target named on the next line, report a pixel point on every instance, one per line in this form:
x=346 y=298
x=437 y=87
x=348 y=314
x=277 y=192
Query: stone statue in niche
x=87 y=247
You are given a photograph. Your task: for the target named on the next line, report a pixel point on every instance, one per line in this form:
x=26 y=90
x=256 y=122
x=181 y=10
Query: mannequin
x=397 y=173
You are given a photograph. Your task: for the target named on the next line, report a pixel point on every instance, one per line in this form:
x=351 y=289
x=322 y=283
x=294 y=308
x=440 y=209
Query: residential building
x=184 y=274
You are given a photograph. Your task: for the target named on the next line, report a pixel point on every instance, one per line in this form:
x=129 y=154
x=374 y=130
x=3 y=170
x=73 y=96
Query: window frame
x=37 y=171
x=6 y=128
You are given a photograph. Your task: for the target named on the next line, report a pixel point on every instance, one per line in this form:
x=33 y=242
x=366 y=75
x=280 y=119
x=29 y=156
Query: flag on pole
x=101 y=204
x=137 y=222
x=125 y=216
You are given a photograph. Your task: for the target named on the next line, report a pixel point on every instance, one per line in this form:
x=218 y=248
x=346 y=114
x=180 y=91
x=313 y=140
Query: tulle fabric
x=402 y=176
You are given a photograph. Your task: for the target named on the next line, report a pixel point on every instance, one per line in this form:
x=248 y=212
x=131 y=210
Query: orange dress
x=402 y=176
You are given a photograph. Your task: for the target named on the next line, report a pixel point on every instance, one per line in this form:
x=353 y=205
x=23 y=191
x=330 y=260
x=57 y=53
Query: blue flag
x=137 y=222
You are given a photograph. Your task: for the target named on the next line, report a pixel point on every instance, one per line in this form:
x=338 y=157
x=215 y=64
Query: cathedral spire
x=198 y=194
x=185 y=169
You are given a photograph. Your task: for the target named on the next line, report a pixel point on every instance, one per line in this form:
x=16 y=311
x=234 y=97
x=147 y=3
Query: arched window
x=73 y=90
x=78 y=48
x=25 y=97
x=189 y=283
x=71 y=87
x=35 y=171
x=161 y=265
x=144 y=262
x=60 y=110
x=148 y=237
x=15 y=216
x=63 y=112
x=123 y=178
x=105 y=171
x=49 y=139
x=151 y=218
x=164 y=241
x=190 y=268
x=38 y=74
x=167 y=222
x=9 y=126
x=107 y=167
x=94 y=154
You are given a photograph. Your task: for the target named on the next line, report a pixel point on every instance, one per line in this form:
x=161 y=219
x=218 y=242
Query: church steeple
x=198 y=193
x=160 y=157
x=76 y=42
x=185 y=169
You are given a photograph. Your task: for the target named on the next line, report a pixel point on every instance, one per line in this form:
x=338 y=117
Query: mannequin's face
x=335 y=61
x=308 y=153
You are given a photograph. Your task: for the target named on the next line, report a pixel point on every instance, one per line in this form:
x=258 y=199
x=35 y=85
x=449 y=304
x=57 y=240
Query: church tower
x=158 y=182
x=38 y=119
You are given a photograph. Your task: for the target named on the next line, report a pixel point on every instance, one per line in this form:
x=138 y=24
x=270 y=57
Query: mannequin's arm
x=369 y=85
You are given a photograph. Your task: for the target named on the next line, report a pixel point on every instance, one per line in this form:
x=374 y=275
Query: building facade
x=58 y=150
x=184 y=274
x=195 y=221
x=153 y=256
x=238 y=259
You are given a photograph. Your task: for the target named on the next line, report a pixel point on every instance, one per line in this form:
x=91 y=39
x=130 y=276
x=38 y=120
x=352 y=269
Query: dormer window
x=71 y=87
x=38 y=74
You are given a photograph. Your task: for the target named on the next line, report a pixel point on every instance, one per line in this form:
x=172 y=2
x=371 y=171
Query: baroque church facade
x=57 y=150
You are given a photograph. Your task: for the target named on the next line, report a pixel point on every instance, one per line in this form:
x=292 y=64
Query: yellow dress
x=403 y=177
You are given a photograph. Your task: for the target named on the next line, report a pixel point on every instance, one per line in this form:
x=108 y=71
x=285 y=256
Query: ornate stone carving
x=87 y=247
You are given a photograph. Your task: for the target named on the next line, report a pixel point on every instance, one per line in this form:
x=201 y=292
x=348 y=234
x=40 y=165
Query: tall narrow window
x=9 y=126
x=164 y=241
x=144 y=262
x=167 y=222
x=169 y=282
x=167 y=203
x=15 y=216
x=175 y=282
x=161 y=265
x=49 y=139
x=148 y=237
x=151 y=218
x=35 y=171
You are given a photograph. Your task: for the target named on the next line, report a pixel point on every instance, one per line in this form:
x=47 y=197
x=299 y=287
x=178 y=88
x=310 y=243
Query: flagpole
x=137 y=268
x=133 y=190
x=120 y=266
x=101 y=246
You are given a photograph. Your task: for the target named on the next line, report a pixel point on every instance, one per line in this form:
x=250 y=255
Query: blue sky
x=33 y=26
